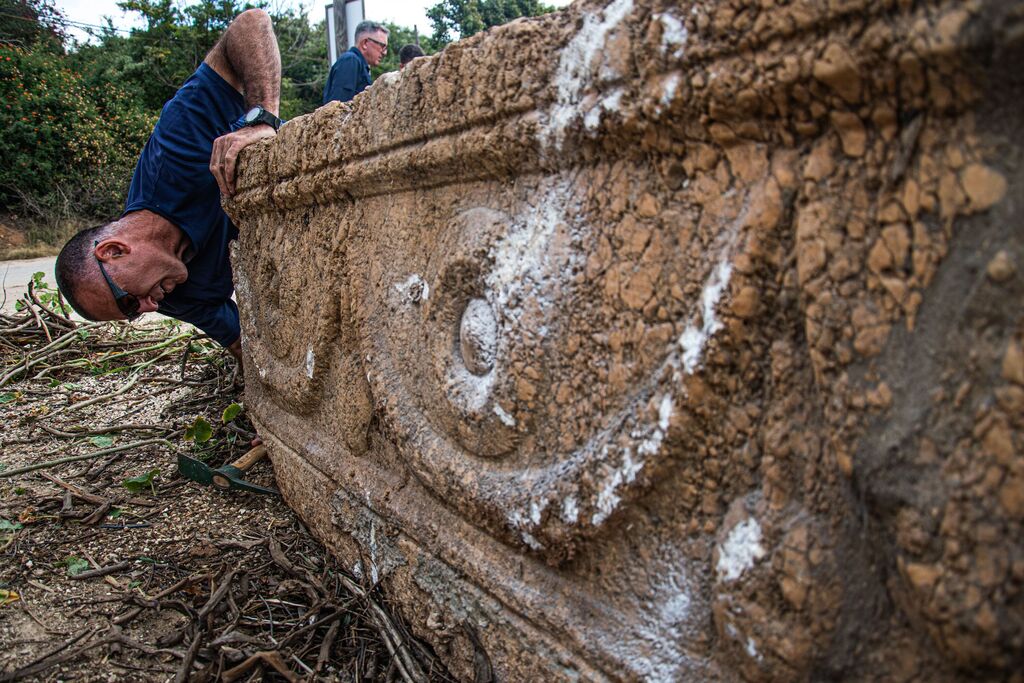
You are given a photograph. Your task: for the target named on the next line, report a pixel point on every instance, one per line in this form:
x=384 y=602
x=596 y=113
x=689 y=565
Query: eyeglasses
x=383 y=46
x=127 y=303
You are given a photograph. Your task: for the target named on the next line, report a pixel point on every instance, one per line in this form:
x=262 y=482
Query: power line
x=63 y=22
x=141 y=33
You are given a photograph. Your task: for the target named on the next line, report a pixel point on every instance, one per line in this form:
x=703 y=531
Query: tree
x=24 y=23
x=67 y=146
x=171 y=46
x=453 y=19
x=155 y=60
x=76 y=116
x=303 y=62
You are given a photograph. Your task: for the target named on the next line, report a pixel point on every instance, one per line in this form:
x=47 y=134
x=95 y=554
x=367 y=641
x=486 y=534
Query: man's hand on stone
x=225 y=154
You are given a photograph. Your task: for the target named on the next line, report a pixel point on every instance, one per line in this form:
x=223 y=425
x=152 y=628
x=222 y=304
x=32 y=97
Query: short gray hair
x=365 y=28
x=74 y=264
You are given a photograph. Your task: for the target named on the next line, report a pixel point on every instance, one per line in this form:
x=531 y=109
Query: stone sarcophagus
x=663 y=340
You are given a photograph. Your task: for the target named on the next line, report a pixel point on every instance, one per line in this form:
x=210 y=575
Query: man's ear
x=111 y=248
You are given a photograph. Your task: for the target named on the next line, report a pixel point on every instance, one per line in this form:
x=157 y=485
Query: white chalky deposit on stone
x=607 y=498
x=669 y=87
x=741 y=550
x=310 y=362
x=655 y=645
x=505 y=418
x=652 y=443
x=373 y=553
x=521 y=524
x=570 y=510
x=478 y=337
x=414 y=289
x=649 y=441
x=523 y=251
x=694 y=338
x=609 y=103
x=536 y=509
x=673 y=34
x=691 y=344
x=574 y=68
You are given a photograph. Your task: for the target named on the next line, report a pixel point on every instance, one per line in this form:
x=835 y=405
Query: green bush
x=65 y=144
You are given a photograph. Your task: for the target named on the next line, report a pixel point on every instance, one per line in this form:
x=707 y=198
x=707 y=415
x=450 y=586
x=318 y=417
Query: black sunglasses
x=376 y=42
x=127 y=303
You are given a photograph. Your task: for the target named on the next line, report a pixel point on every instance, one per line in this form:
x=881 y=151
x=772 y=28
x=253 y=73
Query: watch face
x=252 y=114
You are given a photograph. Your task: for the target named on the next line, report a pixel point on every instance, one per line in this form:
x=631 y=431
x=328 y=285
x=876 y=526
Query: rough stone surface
x=664 y=341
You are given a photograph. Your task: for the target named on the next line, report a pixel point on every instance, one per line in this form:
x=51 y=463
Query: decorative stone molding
x=665 y=341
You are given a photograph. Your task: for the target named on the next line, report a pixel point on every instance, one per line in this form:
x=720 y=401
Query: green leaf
x=19 y=490
x=8 y=396
x=138 y=484
x=75 y=565
x=101 y=441
x=7 y=525
x=200 y=431
x=115 y=513
x=37 y=279
x=230 y=413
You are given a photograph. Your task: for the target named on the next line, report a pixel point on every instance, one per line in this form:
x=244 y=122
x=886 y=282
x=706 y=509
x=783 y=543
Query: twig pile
x=298 y=621
x=235 y=606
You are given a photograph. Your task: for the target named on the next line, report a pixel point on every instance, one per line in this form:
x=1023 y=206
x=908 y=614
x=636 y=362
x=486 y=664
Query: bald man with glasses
x=350 y=74
x=169 y=250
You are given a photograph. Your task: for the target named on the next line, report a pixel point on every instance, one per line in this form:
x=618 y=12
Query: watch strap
x=264 y=116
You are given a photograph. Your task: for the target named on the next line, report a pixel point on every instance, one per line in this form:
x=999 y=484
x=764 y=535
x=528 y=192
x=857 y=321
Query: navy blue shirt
x=349 y=76
x=173 y=179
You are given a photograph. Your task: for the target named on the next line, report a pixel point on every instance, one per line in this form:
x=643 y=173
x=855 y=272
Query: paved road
x=16 y=274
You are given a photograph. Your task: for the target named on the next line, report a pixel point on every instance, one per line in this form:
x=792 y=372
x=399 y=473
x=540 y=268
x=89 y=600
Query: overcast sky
x=407 y=13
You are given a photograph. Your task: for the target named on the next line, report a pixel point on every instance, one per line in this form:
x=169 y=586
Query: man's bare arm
x=246 y=56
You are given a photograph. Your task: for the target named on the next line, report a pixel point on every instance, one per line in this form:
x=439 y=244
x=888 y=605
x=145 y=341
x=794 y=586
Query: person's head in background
x=372 y=40
x=408 y=53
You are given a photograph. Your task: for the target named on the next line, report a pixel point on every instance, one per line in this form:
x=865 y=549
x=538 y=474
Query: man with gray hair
x=350 y=75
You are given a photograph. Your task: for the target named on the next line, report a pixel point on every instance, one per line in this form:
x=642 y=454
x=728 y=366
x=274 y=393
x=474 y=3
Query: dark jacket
x=349 y=76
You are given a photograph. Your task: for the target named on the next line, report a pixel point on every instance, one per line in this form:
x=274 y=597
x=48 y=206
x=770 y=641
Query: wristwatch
x=260 y=115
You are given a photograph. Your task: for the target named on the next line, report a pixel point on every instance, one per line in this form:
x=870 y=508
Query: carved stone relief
x=663 y=341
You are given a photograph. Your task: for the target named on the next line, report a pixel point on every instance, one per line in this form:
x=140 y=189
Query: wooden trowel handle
x=250 y=458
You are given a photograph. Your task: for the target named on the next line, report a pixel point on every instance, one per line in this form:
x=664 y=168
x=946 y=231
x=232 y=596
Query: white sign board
x=341 y=26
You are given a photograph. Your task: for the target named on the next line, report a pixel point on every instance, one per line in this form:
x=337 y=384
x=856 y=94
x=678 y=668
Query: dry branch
x=87 y=456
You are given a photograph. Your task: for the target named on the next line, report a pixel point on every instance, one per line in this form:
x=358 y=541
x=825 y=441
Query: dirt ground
x=18 y=239
x=163 y=578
